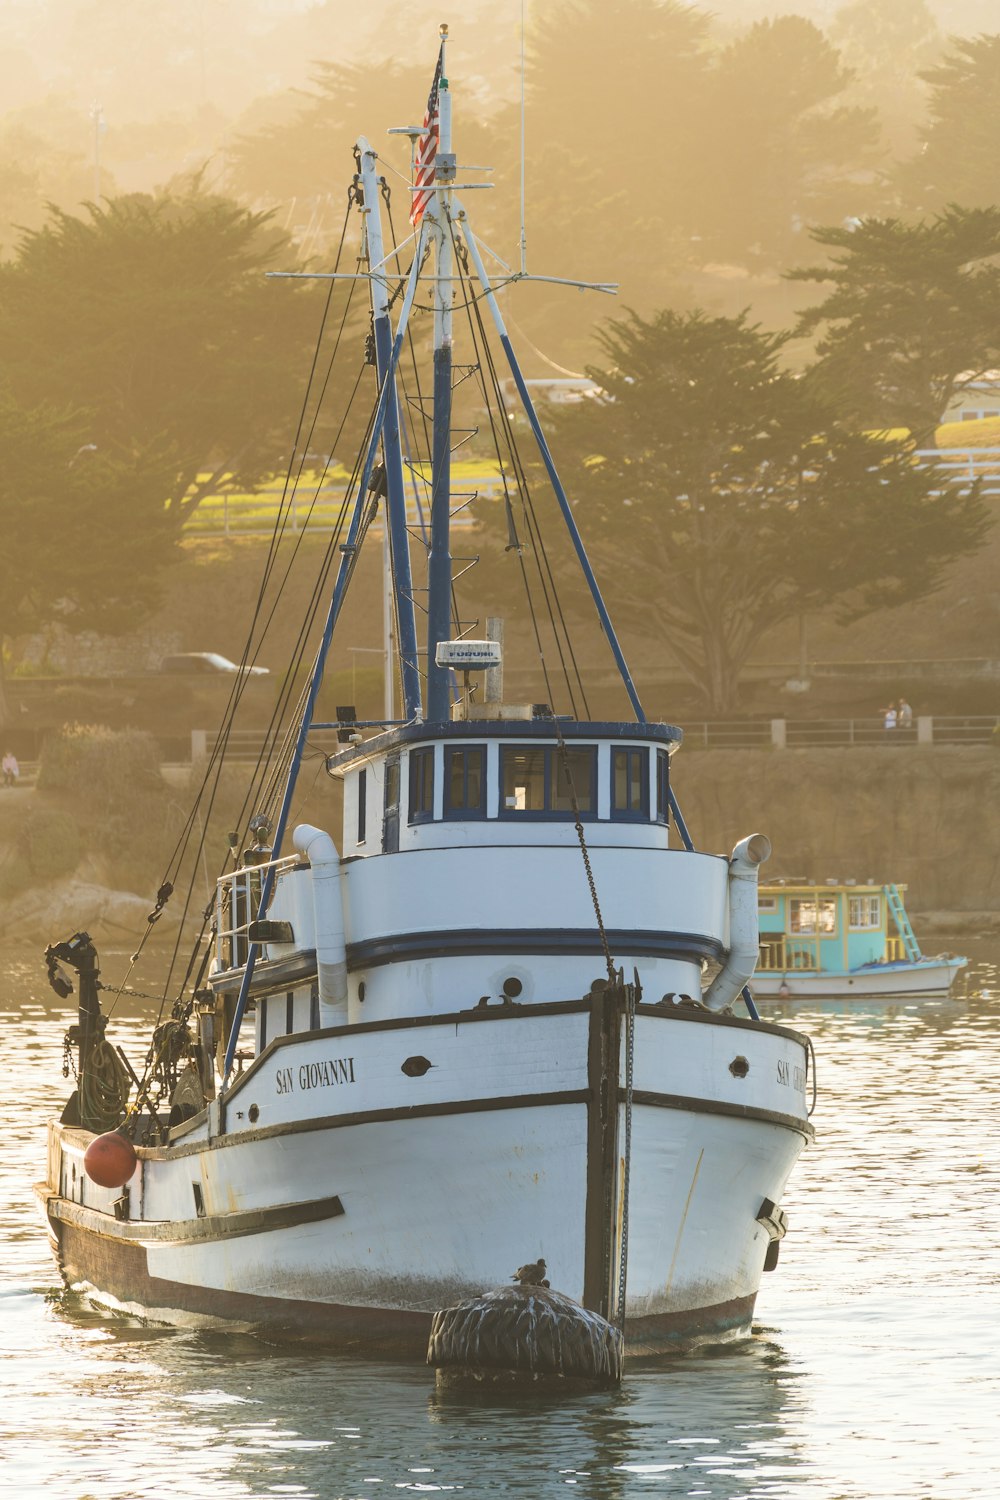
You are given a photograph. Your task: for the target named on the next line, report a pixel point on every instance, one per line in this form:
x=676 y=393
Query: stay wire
x=550 y=592
x=221 y=745
x=276 y=534
x=541 y=555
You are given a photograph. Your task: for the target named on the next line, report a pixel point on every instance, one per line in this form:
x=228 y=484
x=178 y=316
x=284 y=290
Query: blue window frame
x=662 y=787
x=465 y=781
x=535 y=781
x=630 y=784
x=422 y=784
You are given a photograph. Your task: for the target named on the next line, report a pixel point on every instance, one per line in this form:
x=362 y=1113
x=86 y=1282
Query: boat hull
x=930 y=979
x=351 y=1225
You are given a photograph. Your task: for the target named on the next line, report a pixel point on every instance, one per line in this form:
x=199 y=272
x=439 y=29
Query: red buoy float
x=110 y=1160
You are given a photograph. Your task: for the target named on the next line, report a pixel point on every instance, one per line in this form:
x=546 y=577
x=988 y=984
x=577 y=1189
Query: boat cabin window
x=864 y=912
x=662 y=787
x=807 y=914
x=542 y=780
x=767 y=903
x=630 y=784
x=422 y=784
x=465 y=781
x=390 y=812
x=362 y=803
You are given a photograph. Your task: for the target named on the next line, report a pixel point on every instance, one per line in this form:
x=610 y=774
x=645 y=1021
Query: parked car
x=206 y=664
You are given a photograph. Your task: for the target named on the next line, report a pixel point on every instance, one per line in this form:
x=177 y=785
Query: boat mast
x=438 y=215
x=395 y=503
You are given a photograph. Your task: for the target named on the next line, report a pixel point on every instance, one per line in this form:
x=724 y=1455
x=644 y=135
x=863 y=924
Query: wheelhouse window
x=465 y=781
x=662 y=787
x=864 y=912
x=362 y=803
x=543 y=780
x=630 y=784
x=421 y=784
x=812 y=917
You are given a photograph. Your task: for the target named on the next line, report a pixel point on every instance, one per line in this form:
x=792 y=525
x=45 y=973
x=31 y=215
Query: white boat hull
x=930 y=978
x=361 y=1198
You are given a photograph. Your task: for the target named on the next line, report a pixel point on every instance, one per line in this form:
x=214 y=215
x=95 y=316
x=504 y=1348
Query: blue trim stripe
x=464 y=942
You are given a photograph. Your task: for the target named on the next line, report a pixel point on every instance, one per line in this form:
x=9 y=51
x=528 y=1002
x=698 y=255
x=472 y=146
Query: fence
x=732 y=734
x=962 y=465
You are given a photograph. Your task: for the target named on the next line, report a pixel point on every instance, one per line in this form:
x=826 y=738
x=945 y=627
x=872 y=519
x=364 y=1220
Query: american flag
x=427 y=148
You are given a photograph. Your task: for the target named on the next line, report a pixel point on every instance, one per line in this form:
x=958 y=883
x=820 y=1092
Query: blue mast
x=399 y=542
x=439 y=558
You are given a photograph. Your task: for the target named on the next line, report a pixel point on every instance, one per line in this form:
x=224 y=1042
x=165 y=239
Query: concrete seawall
x=928 y=818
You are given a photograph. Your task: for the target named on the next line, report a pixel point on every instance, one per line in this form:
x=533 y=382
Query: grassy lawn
x=248 y=513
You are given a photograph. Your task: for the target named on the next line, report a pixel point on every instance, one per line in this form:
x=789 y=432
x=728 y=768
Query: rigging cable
x=543 y=565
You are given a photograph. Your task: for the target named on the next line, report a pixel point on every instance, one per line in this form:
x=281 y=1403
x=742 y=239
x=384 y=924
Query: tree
x=86 y=538
x=725 y=493
x=885 y=44
x=913 y=317
x=781 y=150
x=154 y=316
x=957 y=162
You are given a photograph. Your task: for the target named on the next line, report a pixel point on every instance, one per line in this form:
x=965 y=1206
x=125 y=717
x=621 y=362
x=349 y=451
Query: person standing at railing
x=889 y=717
x=904 y=715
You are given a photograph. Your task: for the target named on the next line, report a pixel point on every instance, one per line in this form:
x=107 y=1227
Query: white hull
x=353 y=1209
x=928 y=979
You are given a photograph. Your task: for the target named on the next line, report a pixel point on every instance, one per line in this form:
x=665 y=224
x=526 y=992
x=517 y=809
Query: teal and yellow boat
x=833 y=940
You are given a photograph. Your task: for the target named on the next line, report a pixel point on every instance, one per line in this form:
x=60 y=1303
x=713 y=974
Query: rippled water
x=872 y=1372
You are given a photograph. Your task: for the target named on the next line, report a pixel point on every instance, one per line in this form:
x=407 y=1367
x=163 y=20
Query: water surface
x=872 y=1371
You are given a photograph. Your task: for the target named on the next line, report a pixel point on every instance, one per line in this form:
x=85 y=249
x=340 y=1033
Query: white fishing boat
x=845 y=940
x=478 y=1029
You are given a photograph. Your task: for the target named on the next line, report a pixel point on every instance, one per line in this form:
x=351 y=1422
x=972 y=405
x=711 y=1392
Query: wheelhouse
x=509 y=781
x=817 y=928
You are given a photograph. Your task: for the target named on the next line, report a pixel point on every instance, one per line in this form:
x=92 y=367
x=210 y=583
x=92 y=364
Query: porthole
x=739 y=1067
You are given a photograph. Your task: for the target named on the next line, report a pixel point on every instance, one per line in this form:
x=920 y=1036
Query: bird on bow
x=531 y=1275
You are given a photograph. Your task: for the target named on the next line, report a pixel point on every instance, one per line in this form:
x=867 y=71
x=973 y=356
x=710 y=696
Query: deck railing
x=787 y=955
x=237 y=905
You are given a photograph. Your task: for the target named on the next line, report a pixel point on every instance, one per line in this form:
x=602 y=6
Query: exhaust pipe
x=744 y=927
x=328 y=915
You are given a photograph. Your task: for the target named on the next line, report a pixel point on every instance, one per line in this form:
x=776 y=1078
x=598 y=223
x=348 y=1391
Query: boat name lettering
x=317 y=1075
x=320 y=1075
x=794 y=1076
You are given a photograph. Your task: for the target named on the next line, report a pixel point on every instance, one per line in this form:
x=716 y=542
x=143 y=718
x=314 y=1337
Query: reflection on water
x=871 y=1373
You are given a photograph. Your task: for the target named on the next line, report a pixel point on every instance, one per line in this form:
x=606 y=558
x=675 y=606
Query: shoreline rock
x=48 y=914
x=955 y=923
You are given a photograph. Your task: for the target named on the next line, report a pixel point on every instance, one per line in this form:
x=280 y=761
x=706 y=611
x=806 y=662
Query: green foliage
x=723 y=496
x=913 y=317
x=957 y=162
x=51 y=843
x=153 y=318
x=781 y=149
x=85 y=537
x=885 y=44
x=100 y=768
